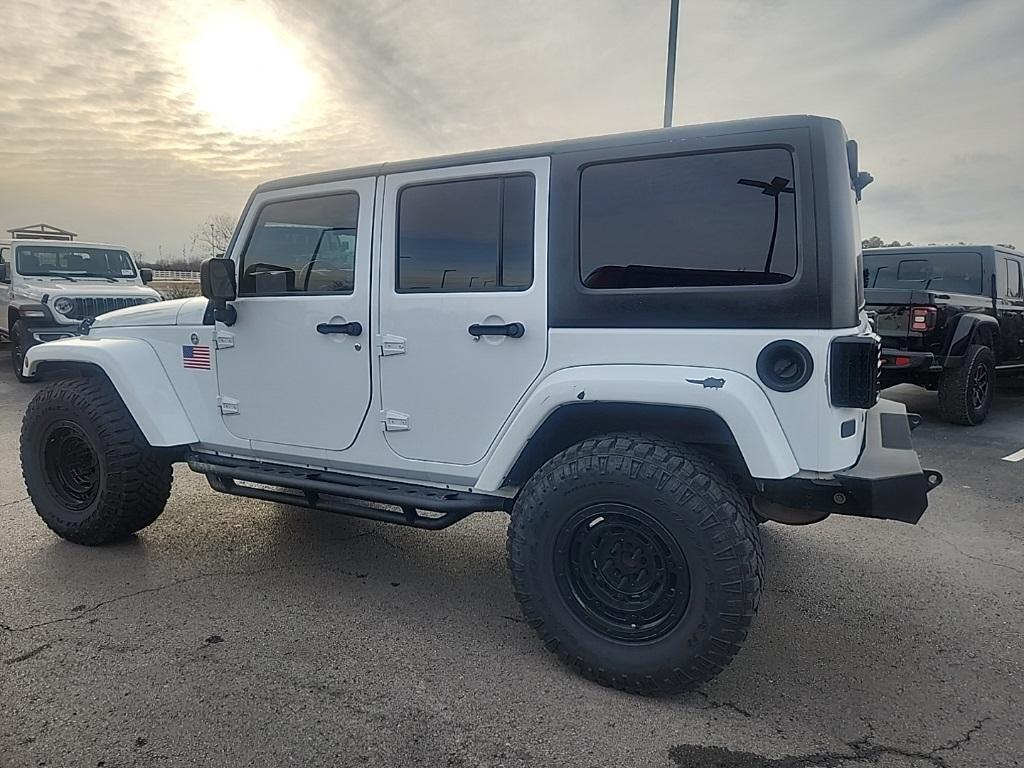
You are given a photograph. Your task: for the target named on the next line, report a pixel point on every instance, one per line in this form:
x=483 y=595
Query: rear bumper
x=894 y=360
x=886 y=483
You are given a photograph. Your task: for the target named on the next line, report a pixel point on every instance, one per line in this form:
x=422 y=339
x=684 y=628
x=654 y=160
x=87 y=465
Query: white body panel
x=457 y=390
x=739 y=402
x=135 y=369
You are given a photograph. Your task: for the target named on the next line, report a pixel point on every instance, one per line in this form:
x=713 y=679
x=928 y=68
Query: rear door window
x=713 y=219
x=1013 y=279
x=469 y=235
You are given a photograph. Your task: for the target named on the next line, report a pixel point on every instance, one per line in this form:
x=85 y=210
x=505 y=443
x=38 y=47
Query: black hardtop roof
x=680 y=133
x=975 y=247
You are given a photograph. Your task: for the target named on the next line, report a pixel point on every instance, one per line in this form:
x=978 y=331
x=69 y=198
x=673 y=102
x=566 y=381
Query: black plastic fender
x=964 y=334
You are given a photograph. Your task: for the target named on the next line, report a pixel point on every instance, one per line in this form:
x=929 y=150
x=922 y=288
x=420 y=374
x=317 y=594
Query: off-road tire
x=958 y=403
x=688 y=497
x=19 y=346
x=132 y=479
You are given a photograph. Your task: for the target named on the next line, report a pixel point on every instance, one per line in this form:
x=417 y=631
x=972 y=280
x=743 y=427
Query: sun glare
x=245 y=75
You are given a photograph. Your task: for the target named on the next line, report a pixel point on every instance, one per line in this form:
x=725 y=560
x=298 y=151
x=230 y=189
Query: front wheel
x=20 y=342
x=90 y=472
x=637 y=561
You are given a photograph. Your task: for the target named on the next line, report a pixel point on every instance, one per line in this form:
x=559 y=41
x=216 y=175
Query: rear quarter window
x=711 y=219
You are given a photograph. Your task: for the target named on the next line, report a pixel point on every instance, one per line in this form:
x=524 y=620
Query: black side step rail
x=335 y=492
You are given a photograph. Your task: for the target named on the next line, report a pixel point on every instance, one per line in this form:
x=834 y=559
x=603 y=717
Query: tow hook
x=933 y=478
x=915 y=421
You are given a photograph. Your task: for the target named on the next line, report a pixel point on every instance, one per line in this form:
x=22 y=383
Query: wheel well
x=985 y=334
x=572 y=423
x=12 y=317
x=61 y=369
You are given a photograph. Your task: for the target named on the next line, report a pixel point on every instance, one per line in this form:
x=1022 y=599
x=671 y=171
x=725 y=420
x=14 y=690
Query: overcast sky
x=132 y=121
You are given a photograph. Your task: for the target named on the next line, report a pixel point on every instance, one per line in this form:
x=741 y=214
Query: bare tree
x=211 y=238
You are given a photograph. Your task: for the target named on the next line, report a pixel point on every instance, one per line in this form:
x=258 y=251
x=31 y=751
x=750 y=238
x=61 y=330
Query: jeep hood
x=160 y=313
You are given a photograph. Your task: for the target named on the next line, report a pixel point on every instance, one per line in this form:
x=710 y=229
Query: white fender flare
x=735 y=398
x=137 y=374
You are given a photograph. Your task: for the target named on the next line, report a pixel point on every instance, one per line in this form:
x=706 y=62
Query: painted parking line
x=1018 y=456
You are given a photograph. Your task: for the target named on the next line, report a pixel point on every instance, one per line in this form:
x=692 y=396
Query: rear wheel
x=89 y=471
x=965 y=393
x=637 y=561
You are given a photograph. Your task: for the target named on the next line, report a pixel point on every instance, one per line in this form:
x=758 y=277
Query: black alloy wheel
x=980 y=385
x=621 y=572
x=70 y=465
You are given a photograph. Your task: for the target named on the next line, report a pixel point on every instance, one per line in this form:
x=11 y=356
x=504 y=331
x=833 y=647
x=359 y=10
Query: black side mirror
x=217 y=282
x=5 y=276
x=146 y=275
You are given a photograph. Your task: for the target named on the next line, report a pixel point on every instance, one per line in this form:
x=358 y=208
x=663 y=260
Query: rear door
x=463 y=304
x=1010 y=308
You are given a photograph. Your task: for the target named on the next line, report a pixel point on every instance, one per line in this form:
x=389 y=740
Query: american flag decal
x=195 y=357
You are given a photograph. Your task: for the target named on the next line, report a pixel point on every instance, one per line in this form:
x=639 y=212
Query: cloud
x=100 y=129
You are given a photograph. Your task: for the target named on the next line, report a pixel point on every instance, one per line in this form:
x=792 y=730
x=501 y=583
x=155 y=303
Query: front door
x=294 y=369
x=463 y=304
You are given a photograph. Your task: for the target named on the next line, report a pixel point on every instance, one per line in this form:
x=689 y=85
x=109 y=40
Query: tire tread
x=138 y=476
x=729 y=520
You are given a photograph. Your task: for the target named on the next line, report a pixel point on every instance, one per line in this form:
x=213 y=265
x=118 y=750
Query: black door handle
x=513 y=330
x=351 y=329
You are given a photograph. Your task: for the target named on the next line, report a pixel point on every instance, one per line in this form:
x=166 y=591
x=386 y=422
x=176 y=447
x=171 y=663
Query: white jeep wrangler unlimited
x=638 y=346
x=47 y=288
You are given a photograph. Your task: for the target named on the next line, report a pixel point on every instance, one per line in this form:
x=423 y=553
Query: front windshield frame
x=125 y=269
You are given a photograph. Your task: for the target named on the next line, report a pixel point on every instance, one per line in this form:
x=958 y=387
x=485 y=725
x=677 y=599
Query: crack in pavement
x=714 y=704
x=957 y=743
x=861 y=751
x=968 y=555
x=12 y=503
x=28 y=654
x=81 y=612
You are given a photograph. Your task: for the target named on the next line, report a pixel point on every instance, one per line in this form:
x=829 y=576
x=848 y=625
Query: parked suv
x=950 y=318
x=48 y=288
x=636 y=345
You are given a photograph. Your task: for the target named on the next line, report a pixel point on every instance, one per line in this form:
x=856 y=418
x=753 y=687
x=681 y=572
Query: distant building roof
x=41 y=232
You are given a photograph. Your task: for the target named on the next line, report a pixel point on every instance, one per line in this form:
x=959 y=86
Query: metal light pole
x=670 y=68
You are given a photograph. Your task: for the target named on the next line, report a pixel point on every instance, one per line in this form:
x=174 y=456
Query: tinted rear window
x=954 y=272
x=466 y=235
x=720 y=218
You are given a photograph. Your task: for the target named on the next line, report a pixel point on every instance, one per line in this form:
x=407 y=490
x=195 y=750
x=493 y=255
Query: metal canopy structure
x=41 y=232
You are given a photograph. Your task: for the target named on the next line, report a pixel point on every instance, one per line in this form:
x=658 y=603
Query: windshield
x=74 y=261
x=959 y=272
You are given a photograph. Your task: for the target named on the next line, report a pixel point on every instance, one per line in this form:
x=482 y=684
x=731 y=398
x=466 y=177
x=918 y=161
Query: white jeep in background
x=639 y=346
x=47 y=288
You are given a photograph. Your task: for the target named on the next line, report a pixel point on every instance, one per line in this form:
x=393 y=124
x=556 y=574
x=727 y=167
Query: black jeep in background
x=950 y=318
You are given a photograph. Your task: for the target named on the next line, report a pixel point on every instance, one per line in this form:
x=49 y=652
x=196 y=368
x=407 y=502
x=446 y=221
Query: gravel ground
x=234 y=632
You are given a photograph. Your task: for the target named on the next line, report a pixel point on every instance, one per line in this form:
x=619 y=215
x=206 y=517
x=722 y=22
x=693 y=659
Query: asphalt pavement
x=235 y=632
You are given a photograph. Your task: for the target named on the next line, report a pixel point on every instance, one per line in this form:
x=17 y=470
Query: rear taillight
x=922 y=318
x=854 y=363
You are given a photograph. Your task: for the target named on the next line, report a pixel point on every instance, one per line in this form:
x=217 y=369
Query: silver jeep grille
x=89 y=307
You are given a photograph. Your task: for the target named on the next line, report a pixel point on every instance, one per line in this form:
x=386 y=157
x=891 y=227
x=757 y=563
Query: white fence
x=172 y=274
